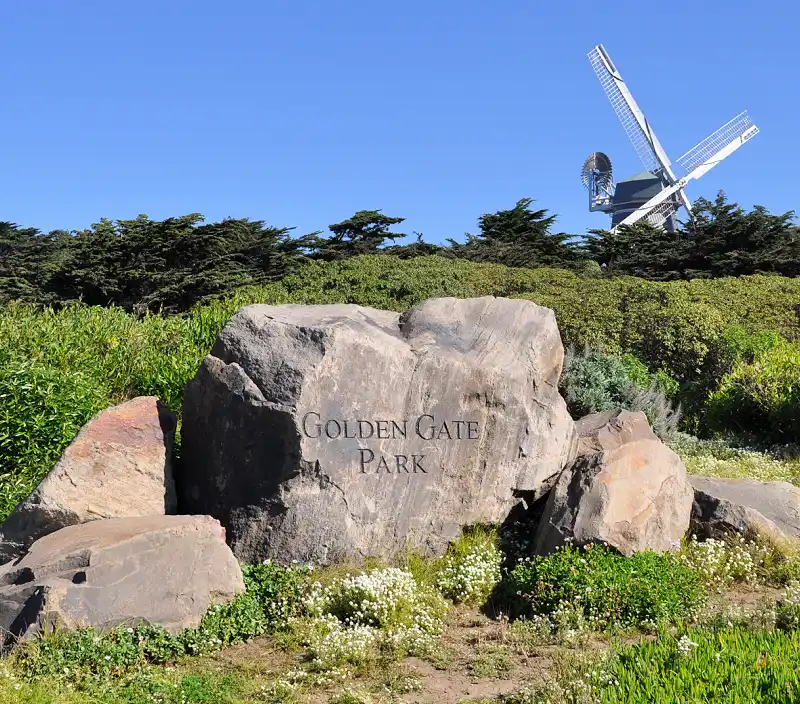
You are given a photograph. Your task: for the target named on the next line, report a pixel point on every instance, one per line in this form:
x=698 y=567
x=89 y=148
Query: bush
x=607 y=588
x=760 y=397
x=593 y=382
x=41 y=411
x=385 y=609
x=720 y=563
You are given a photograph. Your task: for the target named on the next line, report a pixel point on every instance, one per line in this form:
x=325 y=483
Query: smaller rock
x=162 y=570
x=626 y=488
x=118 y=465
x=745 y=506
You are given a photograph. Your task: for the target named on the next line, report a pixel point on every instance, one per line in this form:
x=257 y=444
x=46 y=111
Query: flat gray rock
x=117 y=466
x=626 y=489
x=744 y=505
x=163 y=570
x=335 y=432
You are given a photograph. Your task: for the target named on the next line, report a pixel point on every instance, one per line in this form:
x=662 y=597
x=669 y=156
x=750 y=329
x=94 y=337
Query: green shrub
x=41 y=411
x=593 y=382
x=760 y=397
x=607 y=588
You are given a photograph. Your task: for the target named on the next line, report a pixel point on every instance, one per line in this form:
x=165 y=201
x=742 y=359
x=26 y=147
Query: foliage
x=716 y=458
x=143 y=264
x=384 y=608
x=607 y=588
x=518 y=237
x=705 y=665
x=720 y=563
x=471 y=568
x=593 y=382
x=761 y=394
x=363 y=233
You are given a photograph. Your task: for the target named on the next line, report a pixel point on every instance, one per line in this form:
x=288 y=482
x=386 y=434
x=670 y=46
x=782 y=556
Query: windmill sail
x=734 y=133
x=697 y=161
x=633 y=120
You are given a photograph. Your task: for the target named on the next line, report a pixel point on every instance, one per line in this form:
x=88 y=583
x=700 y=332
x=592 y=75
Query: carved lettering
x=364 y=460
x=426 y=427
x=335 y=424
x=444 y=430
x=431 y=427
x=316 y=425
x=362 y=423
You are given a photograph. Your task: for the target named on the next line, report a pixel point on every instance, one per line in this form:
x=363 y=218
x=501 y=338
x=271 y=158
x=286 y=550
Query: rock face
x=330 y=432
x=626 y=488
x=745 y=505
x=118 y=465
x=164 y=570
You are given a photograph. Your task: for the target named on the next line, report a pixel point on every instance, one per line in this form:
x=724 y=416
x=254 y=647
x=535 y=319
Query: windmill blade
x=633 y=120
x=660 y=207
x=702 y=158
x=714 y=148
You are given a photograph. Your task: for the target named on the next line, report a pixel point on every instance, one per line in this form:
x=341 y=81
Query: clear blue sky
x=301 y=112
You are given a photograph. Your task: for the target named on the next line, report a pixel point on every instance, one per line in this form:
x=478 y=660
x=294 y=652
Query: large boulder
x=162 y=570
x=626 y=489
x=336 y=431
x=745 y=506
x=118 y=465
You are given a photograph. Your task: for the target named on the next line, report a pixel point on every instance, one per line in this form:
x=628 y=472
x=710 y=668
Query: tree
x=363 y=233
x=518 y=237
x=28 y=262
x=637 y=250
x=170 y=265
x=724 y=240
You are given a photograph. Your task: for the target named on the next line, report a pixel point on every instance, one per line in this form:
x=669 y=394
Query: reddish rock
x=626 y=489
x=118 y=465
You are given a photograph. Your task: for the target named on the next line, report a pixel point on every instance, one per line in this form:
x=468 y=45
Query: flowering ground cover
x=716 y=621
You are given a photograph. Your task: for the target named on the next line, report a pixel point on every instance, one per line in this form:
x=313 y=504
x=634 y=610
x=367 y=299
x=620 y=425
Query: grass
x=726 y=666
x=715 y=458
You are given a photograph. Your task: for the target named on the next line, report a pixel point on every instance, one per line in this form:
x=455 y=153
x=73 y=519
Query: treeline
x=146 y=265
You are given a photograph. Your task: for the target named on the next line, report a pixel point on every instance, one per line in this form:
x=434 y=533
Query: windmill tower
x=655 y=195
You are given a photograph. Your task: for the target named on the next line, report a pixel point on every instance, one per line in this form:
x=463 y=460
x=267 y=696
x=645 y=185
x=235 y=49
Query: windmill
x=657 y=194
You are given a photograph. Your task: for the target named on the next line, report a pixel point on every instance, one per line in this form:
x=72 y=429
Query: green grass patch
x=722 y=666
